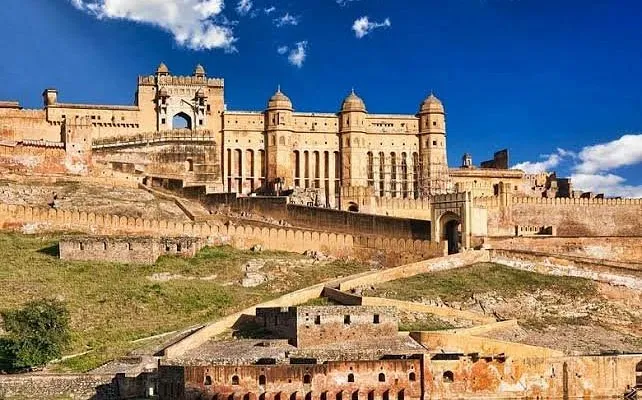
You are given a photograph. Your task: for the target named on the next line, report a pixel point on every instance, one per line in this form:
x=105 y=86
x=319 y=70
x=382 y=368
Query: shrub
x=36 y=333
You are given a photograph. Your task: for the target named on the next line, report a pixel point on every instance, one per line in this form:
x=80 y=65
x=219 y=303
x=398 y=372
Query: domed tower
x=199 y=71
x=432 y=147
x=162 y=70
x=352 y=132
x=278 y=125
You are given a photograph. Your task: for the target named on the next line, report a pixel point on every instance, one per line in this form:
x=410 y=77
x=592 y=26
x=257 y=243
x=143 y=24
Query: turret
x=352 y=129
x=199 y=71
x=50 y=97
x=432 y=147
x=278 y=124
x=162 y=70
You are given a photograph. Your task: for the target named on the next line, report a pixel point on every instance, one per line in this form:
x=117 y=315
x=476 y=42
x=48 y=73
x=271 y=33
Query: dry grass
x=112 y=304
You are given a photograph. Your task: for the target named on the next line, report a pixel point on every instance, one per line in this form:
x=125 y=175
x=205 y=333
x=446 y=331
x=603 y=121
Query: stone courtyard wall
x=240 y=236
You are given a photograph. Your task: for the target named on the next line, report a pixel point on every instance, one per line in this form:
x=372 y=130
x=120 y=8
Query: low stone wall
x=619 y=249
x=421 y=267
x=43 y=386
x=484 y=346
x=567 y=266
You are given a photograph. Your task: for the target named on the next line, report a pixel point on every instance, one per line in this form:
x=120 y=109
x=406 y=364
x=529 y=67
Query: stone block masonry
x=128 y=249
x=240 y=236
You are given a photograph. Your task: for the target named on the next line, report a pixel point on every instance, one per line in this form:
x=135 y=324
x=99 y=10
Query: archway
x=181 y=121
x=638 y=375
x=353 y=207
x=450 y=225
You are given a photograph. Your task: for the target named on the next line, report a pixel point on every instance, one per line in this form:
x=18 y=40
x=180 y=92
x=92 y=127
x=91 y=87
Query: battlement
x=103 y=107
x=181 y=80
x=42 y=143
x=575 y=201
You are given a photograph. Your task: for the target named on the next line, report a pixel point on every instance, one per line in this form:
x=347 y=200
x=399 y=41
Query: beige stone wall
x=619 y=249
x=17 y=124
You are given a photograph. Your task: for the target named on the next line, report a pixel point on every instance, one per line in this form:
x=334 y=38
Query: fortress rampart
x=241 y=236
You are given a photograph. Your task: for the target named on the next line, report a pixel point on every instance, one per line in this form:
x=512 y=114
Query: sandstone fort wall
x=241 y=236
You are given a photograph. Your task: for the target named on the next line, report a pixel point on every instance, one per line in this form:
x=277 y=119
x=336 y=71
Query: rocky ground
x=131 y=202
x=569 y=314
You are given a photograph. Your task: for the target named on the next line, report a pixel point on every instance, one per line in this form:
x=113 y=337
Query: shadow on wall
x=53 y=250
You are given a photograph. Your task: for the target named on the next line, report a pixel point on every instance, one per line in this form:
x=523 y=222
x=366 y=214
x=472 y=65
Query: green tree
x=36 y=333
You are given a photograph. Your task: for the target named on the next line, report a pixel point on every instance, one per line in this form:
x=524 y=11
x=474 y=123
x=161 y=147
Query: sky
x=557 y=82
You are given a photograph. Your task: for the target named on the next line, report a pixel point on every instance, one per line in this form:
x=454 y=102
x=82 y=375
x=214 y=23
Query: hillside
x=114 y=304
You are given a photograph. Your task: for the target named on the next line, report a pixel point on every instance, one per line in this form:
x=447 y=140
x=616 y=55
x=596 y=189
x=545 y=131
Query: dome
x=199 y=70
x=163 y=92
x=279 y=101
x=431 y=104
x=162 y=69
x=353 y=103
x=200 y=93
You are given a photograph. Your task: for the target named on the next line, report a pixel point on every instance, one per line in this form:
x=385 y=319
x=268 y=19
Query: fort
x=348 y=184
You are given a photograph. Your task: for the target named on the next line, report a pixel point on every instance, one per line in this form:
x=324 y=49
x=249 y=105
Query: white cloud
x=363 y=26
x=193 y=23
x=624 y=151
x=344 y=3
x=282 y=49
x=592 y=167
x=298 y=54
x=269 y=10
x=609 y=184
x=244 y=6
x=286 y=19
x=549 y=161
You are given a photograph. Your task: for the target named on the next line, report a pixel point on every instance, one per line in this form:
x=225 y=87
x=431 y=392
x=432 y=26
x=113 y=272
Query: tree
x=36 y=334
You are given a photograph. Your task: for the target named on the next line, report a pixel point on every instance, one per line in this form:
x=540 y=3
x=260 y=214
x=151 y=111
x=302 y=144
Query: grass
x=112 y=304
x=459 y=284
x=429 y=322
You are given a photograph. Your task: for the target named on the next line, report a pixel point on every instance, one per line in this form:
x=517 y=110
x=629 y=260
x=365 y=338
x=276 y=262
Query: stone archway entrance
x=181 y=121
x=450 y=224
x=353 y=207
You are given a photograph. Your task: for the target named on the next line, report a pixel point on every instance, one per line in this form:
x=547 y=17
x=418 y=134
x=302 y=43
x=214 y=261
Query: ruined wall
x=619 y=249
x=37 y=158
x=241 y=236
x=140 y=250
x=45 y=386
x=381 y=379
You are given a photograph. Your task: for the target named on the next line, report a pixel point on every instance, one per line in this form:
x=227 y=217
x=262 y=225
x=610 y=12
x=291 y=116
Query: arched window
x=386 y=395
x=308 y=396
x=293 y=396
x=235 y=380
x=208 y=380
x=400 y=395
x=382 y=377
x=181 y=121
x=262 y=379
x=350 y=377
x=246 y=396
x=371 y=395
x=449 y=377
x=355 y=396
x=412 y=377
x=339 y=396
x=307 y=379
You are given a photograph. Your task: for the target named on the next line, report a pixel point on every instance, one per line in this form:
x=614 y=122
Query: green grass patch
x=428 y=323
x=112 y=304
x=459 y=284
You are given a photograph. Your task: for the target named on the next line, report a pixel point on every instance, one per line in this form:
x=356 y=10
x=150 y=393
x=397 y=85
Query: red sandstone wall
x=41 y=160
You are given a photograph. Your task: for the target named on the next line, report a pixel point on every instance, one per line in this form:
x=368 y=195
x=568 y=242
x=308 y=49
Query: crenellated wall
x=241 y=236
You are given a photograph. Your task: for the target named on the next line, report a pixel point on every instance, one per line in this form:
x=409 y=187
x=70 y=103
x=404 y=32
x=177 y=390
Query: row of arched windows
x=389 y=173
x=307 y=379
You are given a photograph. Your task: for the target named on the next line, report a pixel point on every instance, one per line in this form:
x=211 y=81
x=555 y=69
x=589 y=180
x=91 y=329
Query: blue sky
x=532 y=76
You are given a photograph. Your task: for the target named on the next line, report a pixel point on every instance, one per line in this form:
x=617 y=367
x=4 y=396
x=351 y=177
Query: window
x=208 y=380
x=449 y=377
x=82 y=246
x=434 y=143
x=179 y=247
x=104 y=245
x=235 y=380
x=307 y=379
x=163 y=121
x=308 y=396
x=382 y=377
x=208 y=108
x=370 y=395
x=400 y=395
x=346 y=319
x=261 y=379
x=375 y=319
x=200 y=122
x=355 y=395
x=130 y=247
x=317 y=320
x=350 y=377
x=412 y=377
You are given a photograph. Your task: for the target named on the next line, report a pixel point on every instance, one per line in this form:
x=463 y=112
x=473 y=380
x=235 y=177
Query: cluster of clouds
x=592 y=168
x=201 y=24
